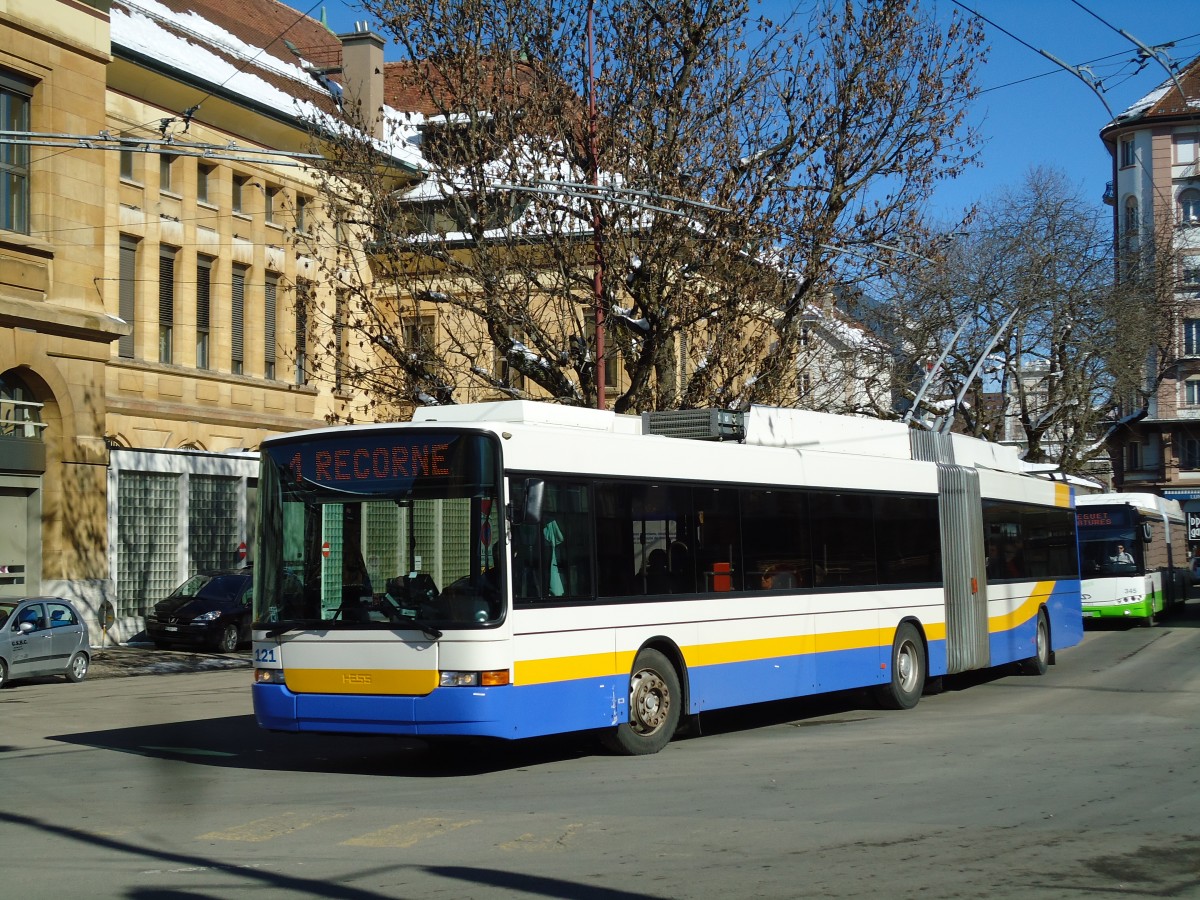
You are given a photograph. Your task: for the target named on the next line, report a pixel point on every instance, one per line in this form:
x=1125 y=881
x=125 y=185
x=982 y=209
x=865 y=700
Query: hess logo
x=356 y=678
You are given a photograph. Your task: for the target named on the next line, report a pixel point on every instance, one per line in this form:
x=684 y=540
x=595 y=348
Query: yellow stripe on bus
x=1062 y=495
x=362 y=681
x=563 y=668
x=1023 y=613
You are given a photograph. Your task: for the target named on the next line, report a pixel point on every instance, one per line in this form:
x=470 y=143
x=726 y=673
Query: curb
x=126 y=661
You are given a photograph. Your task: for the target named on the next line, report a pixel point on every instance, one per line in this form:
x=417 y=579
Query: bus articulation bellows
x=518 y=569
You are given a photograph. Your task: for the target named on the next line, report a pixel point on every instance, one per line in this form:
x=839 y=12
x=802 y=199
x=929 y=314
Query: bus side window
x=552 y=558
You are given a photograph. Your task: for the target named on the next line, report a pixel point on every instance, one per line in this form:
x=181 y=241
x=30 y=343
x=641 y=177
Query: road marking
x=529 y=844
x=409 y=833
x=271 y=827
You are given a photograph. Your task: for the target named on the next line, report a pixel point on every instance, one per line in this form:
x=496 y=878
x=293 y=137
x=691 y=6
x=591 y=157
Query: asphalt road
x=1080 y=783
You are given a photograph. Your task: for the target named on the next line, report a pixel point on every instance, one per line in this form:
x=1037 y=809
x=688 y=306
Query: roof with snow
x=1165 y=100
x=241 y=48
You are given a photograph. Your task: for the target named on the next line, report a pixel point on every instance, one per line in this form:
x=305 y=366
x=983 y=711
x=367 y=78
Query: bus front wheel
x=654 y=701
x=903 y=690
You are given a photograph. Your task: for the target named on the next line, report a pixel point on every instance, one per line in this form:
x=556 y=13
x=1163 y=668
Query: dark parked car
x=209 y=609
x=42 y=636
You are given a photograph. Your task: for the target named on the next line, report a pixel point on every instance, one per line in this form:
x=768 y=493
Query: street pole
x=597 y=240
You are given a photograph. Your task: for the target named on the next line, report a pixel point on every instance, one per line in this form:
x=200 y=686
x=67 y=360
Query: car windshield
x=6 y=610
x=218 y=588
x=380 y=529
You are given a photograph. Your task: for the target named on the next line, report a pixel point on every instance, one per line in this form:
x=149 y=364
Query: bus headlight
x=269 y=676
x=493 y=678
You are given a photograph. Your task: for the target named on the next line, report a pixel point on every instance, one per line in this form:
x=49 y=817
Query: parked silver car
x=42 y=636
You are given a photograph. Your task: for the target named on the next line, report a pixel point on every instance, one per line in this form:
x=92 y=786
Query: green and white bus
x=1133 y=555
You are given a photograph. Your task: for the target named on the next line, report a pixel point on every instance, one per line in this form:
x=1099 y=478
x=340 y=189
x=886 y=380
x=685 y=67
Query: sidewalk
x=137 y=659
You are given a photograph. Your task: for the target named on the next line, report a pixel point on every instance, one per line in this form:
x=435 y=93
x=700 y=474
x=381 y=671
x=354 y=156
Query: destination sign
x=381 y=461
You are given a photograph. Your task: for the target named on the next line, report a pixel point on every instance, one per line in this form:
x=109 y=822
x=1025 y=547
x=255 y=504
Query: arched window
x=1131 y=223
x=1189 y=207
x=20 y=413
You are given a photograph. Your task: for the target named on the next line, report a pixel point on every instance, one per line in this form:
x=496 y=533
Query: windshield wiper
x=426 y=629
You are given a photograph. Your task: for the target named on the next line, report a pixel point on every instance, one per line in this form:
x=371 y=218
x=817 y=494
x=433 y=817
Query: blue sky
x=1031 y=112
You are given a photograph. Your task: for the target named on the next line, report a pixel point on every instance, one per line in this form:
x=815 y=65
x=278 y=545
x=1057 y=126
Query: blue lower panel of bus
x=763 y=680
x=504 y=712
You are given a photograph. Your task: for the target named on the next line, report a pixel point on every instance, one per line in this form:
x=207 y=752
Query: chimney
x=362 y=75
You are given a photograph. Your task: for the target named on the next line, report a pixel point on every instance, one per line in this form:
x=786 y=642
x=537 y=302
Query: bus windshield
x=1109 y=541
x=380 y=529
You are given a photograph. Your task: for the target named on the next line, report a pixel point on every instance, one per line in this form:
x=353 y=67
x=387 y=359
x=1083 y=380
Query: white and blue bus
x=518 y=569
x=1133 y=553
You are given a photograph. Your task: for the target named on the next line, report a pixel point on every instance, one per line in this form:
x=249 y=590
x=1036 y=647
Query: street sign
x=242 y=552
x=1193 y=519
x=325 y=549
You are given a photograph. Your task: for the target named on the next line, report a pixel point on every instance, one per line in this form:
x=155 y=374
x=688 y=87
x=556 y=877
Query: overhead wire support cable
x=1155 y=53
x=106 y=141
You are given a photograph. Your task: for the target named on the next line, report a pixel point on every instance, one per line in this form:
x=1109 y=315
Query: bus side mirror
x=531 y=510
x=1147 y=534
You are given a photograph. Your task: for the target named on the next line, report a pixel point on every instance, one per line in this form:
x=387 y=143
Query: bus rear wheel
x=654 y=707
x=1039 y=663
x=903 y=690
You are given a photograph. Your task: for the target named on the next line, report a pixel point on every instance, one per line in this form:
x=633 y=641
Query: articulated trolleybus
x=517 y=569
x=1133 y=553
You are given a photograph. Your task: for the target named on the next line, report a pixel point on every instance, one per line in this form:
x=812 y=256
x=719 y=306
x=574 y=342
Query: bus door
x=964 y=569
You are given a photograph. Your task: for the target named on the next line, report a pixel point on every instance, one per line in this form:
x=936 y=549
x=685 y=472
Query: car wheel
x=227 y=641
x=77 y=668
x=3 y=673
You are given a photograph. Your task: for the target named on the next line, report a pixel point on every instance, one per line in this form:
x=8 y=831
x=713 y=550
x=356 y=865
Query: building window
x=15 y=94
x=166 y=171
x=20 y=412
x=126 y=164
x=1133 y=455
x=305 y=296
x=239 y=193
x=1191 y=454
x=166 y=302
x=341 y=337
x=270 y=293
x=213 y=521
x=505 y=373
x=1185 y=149
x=127 y=294
x=1191 y=337
x=147 y=539
x=1128 y=157
x=204 y=266
x=302 y=214
x=1131 y=223
x=270 y=203
x=1191 y=392
x=237 y=320
x=1189 y=207
x=1189 y=270
x=205 y=178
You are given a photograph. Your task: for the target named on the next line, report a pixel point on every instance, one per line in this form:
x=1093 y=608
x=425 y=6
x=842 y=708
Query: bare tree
x=730 y=175
x=1062 y=341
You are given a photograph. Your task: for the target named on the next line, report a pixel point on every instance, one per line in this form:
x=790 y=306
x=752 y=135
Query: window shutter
x=128 y=294
x=238 y=322
x=271 y=289
x=166 y=286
